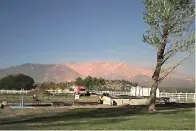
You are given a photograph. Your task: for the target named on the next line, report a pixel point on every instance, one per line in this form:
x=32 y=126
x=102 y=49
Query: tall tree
x=17 y=82
x=79 y=81
x=169 y=32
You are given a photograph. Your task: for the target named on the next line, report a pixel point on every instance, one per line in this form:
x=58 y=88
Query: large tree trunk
x=153 y=95
x=155 y=77
x=155 y=80
x=154 y=88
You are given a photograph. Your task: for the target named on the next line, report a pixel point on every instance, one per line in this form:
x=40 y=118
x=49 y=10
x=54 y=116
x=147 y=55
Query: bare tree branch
x=170 y=51
x=163 y=77
x=169 y=56
x=164 y=71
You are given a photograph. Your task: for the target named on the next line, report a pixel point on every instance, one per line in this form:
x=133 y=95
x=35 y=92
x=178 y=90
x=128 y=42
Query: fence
x=187 y=97
x=60 y=92
x=113 y=92
x=97 y=92
x=180 y=96
x=14 y=91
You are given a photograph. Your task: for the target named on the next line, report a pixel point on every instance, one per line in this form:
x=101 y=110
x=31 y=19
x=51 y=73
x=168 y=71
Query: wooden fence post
x=179 y=96
x=186 y=97
x=160 y=95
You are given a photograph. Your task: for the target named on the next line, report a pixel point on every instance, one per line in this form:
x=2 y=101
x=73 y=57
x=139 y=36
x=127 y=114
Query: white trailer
x=142 y=91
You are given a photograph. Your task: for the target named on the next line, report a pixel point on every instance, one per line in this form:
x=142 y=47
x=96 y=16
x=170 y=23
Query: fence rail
x=14 y=91
x=178 y=96
x=113 y=92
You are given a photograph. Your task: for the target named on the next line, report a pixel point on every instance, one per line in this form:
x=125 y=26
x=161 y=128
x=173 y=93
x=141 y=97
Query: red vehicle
x=79 y=90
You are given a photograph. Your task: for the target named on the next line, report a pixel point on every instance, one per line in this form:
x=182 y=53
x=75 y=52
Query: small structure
x=124 y=100
x=21 y=106
x=142 y=91
x=3 y=104
x=79 y=89
x=36 y=99
x=39 y=94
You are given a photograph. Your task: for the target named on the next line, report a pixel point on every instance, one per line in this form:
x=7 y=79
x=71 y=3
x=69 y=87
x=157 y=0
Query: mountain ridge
x=43 y=72
x=106 y=70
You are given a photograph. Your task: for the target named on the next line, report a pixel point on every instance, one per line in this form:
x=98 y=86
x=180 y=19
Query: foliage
x=169 y=33
x=54 y=86
x=17 y=82
x=79 y=81
x=171 y=29
x=20 y=81
x=90 y=82
x=176 y=16
x=93 y=83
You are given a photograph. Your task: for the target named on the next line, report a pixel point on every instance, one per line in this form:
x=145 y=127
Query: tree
x=169 y=22
x=17 y=82
x=79 y=81
x=87 y=81
x=102 y=81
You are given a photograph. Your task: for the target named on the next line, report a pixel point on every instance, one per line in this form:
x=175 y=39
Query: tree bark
x=155 y=77
x=154 y=88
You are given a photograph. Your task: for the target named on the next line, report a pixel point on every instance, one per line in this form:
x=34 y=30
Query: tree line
x=21 y=81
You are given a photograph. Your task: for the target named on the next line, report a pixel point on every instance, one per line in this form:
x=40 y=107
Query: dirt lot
x=28 y=99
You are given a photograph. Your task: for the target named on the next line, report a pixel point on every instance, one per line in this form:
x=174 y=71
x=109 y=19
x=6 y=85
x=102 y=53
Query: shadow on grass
x=91 y=122
x=59 y=125
x=85 y=113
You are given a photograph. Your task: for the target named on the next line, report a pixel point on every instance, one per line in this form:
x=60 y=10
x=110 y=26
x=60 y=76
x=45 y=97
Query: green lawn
x=98 y=117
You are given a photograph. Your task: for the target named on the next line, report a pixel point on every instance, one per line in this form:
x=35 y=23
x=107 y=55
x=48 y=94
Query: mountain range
x=106 y=70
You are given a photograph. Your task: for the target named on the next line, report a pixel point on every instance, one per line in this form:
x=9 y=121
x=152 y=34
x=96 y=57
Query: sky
x=61 y=31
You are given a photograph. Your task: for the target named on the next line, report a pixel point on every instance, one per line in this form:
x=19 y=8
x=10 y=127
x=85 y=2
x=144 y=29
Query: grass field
x=92 y=117
x=97 y=117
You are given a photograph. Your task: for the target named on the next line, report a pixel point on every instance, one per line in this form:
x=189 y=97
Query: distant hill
x=106 y=70
x=43 y=72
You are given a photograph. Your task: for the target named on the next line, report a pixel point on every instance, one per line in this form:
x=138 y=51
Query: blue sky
x=60 y=31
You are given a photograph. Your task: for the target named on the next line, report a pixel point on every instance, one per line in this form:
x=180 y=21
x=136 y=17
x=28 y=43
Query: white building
x=142 y=91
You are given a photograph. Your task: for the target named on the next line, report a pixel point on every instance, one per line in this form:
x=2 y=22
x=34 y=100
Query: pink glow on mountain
x=99 y=69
